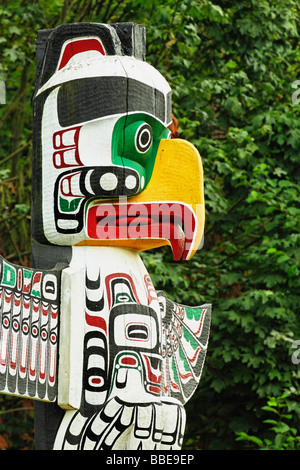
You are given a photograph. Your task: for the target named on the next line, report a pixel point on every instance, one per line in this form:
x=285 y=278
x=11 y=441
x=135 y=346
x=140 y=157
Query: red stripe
x=75 y=47
x=155 y=390
x=97 y=322
x=130 y=361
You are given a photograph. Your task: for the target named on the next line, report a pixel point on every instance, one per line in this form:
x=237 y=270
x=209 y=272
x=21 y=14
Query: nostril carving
x=130 y=182
x=108 y=181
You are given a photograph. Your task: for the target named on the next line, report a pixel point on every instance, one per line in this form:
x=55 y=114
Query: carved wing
x=29 y=311
x=185 y=336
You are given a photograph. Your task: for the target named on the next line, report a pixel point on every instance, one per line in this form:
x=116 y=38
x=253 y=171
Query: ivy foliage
x=233 y=68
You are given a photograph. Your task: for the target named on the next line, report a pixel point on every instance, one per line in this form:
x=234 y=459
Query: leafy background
x=232 y=66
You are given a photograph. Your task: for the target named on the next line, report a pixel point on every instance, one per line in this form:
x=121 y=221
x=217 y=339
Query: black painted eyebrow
x=95 y=97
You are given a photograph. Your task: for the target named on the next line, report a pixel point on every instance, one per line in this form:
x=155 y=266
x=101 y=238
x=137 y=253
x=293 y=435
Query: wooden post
x=109 y=360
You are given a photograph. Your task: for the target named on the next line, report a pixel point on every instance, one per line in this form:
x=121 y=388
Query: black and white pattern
x=29 y=322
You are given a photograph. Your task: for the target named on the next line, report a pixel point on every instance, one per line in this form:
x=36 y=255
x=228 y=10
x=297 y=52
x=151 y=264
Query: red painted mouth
x=171 y=221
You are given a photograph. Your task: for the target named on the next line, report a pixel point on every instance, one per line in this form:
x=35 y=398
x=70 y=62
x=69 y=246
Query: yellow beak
x=178 y=177
x=176 y=185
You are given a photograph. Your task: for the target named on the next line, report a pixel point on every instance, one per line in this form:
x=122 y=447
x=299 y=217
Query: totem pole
x=109 y=361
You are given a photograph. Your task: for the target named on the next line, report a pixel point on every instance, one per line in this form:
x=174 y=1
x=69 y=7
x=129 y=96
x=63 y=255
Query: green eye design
x=143 y=138
x=138 y=139
x=135 y=141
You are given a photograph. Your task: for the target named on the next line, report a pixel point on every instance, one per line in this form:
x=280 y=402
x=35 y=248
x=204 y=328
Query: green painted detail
x=27 y=274
x=129 y=143
x=190 y=339
x=183 y=358
x=9 y=275
x=123 y=297
x=124 y=149
x=121 y=161
x=69 y=206
x=36 y=293
x=193 y=313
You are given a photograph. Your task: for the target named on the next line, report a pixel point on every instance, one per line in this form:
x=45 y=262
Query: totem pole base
x=111 y=333
x=129 y=358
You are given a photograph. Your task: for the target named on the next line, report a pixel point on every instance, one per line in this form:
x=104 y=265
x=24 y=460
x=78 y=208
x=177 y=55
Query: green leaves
x=284 y=436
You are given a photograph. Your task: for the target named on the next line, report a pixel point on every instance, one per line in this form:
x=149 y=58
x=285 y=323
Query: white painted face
x=102 y=119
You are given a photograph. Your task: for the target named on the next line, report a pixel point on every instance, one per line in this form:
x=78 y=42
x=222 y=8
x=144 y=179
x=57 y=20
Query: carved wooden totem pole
x=109 y=361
